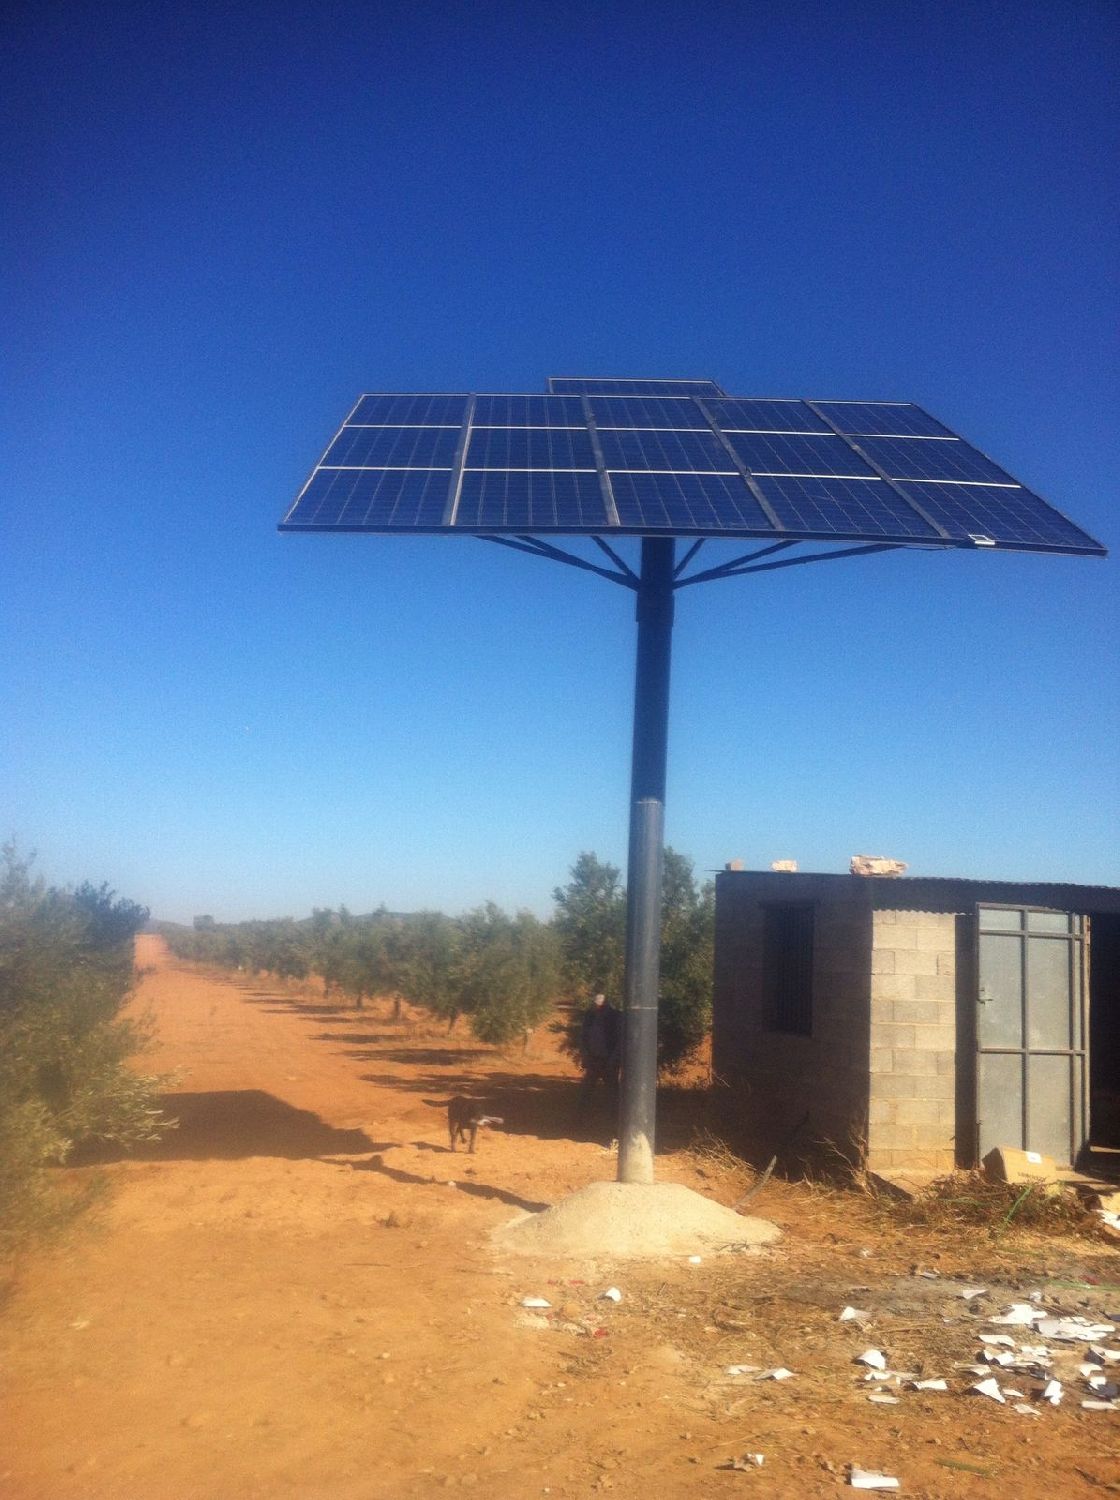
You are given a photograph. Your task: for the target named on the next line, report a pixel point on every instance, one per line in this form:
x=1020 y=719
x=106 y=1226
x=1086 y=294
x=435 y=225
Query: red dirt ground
x=294 y=1295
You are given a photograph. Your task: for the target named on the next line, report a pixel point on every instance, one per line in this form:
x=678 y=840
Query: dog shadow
x=473 y=1189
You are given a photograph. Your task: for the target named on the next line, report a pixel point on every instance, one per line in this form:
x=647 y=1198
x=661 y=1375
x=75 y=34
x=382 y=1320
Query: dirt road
x=294 y=1295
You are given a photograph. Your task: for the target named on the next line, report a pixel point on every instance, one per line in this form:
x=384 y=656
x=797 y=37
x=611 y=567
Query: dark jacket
x=600 y=1035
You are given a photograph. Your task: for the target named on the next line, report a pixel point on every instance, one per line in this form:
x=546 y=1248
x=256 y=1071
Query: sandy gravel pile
x=633 y=1219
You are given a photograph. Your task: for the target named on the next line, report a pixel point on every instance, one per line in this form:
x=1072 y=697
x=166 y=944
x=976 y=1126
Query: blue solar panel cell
x=528 y=411
x=393 y=448
x=797 y=453
x=741 y=415
x=687 y=503
x=423 y=411
x=882 y=418
x=579 y=386
x=1009 y=516
x=373 y=500
x=862 y=509
x=646 y=411
x=534 y=500
x=530 y=448
x=683 y=452
x=932 y=458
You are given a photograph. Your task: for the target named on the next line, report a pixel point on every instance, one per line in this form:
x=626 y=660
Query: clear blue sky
x=224 y=222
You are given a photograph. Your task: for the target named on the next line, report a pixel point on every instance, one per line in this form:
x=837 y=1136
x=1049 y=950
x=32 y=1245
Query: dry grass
x=969 y=1200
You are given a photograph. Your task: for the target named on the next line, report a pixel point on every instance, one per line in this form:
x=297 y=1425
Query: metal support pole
x=638 y=1107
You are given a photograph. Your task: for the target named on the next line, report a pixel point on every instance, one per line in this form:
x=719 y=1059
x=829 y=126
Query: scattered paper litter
x=990 y=1388
x=694 y=1260
x=781 y=1373
x=1052 y=1392
x=997 y=1357
x=930 y=1385
x=868 y=1479
x=1019 y=1315
x=882 y=1399
x=1072 y=1329
x=535 y=1302
x=998 y=1338
x=1025 y=1409
x=1108 y=1356
x=929 y=1275
x=1101 y=1405
x=852 y=1315
x=742 y=1369
x=1017 y=1395
x=973 y=1291
x=873 y=1357
x=748 y=1461
x=612 y=1294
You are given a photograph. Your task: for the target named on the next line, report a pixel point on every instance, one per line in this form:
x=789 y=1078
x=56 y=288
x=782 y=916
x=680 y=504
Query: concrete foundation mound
x=634 y=1219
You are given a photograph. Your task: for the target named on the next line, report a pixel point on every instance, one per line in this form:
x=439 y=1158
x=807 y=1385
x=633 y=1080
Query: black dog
x=464 y=1116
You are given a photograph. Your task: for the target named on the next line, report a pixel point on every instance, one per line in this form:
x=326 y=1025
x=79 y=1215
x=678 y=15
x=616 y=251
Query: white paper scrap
x=973 y=1291
x=1073 y=1329
x=1025 y=1409
x=867 y=1479
x=612 y=1294
x=852 y=1315
x=781 y=1373
x=988 y=1388
x=1019 y=1315
x=997 y=1357
x=998 y=1338
x=535 y=1302
x=1052 y=1392
x=882 y=1399
x=930 y=1385
x=1101 y=1405
x=742 y=1369
x=873 y=1357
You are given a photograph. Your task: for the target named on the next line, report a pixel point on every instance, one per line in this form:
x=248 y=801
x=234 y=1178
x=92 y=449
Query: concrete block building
x=914 y=1023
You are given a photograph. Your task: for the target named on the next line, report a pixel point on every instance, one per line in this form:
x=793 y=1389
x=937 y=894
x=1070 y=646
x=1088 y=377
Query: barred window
x=787 y=969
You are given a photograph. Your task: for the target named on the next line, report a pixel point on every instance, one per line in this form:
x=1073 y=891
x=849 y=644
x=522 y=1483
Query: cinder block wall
x=777 y=1078
x=912 y=1109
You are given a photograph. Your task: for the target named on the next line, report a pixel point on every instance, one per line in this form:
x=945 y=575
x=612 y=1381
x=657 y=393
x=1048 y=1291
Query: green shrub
x=66 y=969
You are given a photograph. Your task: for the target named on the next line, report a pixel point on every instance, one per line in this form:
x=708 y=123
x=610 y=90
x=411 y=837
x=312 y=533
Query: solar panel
x=687 y=503
x=737 y=415
x=683 y=451
x=578 y=386
x=798 y=453
x=882 y=418
x=528 y=411
x=425 y=411
x=393 y=448
x=530 y=448
x=531 y=500
x=932 y=458
x=646 y=411
x=661 y=457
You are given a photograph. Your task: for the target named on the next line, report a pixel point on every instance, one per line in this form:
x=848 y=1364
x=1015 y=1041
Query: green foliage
x=498 y=970
x=66 y=968
x=684 y=1012
x=590 y=922
x=508 y=973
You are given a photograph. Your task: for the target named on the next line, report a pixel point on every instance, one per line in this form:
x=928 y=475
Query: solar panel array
x=669 y=457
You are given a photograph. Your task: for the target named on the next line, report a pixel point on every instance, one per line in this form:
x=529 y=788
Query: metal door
x=1031 y=1076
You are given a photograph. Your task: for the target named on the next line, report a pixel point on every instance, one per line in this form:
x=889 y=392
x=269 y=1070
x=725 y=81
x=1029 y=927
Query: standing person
x=600 y=1048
